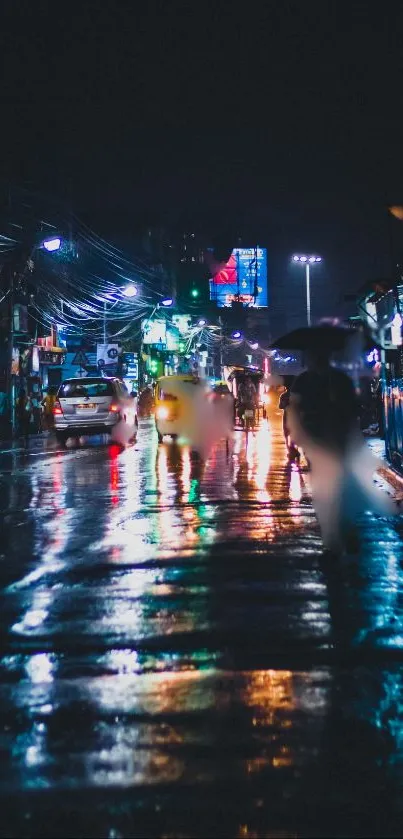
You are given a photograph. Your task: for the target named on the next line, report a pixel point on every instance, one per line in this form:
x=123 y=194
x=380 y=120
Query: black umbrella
x=326 y=338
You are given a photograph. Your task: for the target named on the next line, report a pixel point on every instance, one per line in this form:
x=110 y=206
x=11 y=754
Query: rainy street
x=177 y=659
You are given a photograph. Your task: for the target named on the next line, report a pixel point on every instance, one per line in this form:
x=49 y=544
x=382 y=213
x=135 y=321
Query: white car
x=93 y=405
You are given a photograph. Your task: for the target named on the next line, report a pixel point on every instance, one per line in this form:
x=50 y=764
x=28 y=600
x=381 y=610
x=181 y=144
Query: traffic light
x=194 y=293
x=153 y=365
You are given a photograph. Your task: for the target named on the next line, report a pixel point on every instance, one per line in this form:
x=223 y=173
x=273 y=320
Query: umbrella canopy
x=245 y=372
x=324 y=338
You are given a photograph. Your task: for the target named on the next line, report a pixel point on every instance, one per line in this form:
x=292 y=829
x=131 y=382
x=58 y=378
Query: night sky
x=282 y=126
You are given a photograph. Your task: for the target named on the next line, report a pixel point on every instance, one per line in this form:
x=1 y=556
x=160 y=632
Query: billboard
x=107 y=355
x=242 y=279
x=154 y=332
x=182 y=323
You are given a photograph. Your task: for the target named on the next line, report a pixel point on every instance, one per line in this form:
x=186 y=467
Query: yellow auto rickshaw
x=177 y=403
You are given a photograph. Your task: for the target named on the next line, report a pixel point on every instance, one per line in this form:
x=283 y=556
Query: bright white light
x=318 y=259
x=167 y=302
x=296 y=258
x=254 y=346
x=201 y=322
x=303 y=258
x=236 y=334
x=162 y=412
x=52 y=244
x=312 y=259
x=130 y=291
x=373 y=356
x=39 y=668
x=397 y=320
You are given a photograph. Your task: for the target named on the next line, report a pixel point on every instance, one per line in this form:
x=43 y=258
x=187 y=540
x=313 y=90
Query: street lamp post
x=166 y=303
x=307 y=261
x=16 y=277
x=104 y=337
x=128 y=291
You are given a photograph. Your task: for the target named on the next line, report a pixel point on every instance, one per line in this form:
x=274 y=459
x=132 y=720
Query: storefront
x=382 y=309
x=47 y=363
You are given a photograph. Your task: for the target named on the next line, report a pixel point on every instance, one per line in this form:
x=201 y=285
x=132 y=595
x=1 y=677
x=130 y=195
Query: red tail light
x=57 y=409
x=114 y=409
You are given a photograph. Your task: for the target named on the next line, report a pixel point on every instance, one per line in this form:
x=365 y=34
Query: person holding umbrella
x=323 y=420
x=325 y=403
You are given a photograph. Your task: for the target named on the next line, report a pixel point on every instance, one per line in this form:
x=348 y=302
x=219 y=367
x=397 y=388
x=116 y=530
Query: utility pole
x=255 y=284
x=308 y=293
x=104 y=322
x=10 y=353
x=221 y=346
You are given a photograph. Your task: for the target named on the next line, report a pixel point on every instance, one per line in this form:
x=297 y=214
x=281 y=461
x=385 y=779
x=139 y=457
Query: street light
x=237 y=334
x=307 y=261
x=52 y=244
x=201 y=322
x=130 y=290
x=167 y=302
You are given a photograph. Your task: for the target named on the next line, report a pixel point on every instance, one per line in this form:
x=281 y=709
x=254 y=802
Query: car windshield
x=85 y=389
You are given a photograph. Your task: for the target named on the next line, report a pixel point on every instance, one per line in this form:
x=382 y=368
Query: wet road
x=177 y=661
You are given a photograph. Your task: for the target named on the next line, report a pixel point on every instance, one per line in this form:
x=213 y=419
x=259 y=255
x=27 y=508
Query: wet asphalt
x=178 y=660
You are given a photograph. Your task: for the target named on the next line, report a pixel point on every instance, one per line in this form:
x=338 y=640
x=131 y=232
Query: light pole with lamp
x=166 y=303
x=307 y=261
x=50 y=245
x=128 y=291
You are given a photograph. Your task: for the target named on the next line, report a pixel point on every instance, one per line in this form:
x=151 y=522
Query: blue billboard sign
x=242 y=279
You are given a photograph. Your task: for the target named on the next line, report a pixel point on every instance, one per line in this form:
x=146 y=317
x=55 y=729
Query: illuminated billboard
x=154 y=331
x=242 y=279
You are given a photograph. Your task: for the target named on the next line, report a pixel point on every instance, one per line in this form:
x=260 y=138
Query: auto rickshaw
x=177 y=405
x=236 y=376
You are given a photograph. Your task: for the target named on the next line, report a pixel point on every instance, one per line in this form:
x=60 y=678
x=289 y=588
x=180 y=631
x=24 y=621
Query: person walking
x=146 y=402
x=292 y=449
x=24 y=414
x=48 y=403
x=36 y=413
x=323 y=418
x=3 y=415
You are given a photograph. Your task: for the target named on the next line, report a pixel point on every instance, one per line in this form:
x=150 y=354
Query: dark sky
x=283 y=125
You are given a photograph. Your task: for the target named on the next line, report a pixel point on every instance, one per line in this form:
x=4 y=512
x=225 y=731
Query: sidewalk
x=386 y=473
x=18 y=442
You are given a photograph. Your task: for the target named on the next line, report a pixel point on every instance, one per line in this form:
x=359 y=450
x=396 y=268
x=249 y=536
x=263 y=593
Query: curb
x=393 y=478
x=6 y=445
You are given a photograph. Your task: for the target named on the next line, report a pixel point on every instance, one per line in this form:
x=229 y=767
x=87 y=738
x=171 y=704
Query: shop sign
x=35 y=360
x=15 y=362
x=131 y=365
x=51 y=357
x=20 y=318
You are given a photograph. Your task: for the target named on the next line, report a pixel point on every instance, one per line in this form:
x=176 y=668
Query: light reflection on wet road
x=176 y=661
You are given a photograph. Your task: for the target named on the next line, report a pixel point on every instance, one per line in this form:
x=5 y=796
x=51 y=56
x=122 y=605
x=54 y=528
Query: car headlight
x=162 y=412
